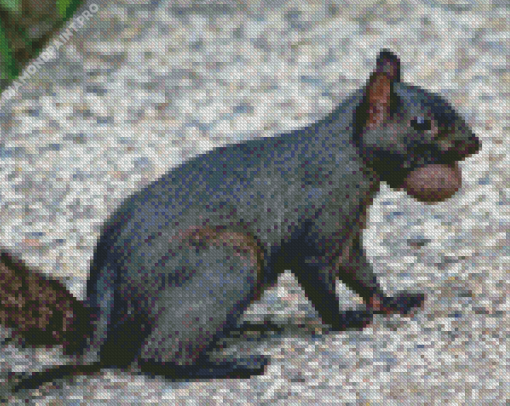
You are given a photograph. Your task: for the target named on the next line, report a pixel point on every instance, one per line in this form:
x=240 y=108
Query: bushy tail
x=40 y=309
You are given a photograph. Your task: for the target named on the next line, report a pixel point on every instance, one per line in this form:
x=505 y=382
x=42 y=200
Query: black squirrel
x=180 y=260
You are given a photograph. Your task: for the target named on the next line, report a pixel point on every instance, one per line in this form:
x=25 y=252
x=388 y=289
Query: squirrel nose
x=461 y=149
x=469 y=147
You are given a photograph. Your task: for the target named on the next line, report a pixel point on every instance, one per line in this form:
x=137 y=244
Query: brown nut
x=433 y=183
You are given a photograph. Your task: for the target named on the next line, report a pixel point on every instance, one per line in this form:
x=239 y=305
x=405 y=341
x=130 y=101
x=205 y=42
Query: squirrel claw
x=404 y=303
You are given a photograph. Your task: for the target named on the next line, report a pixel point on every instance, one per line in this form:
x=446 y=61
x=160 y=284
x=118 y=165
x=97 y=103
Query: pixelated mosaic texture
x=422 y=242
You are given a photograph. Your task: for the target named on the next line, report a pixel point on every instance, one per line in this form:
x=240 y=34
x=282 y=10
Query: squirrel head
x=400 y=130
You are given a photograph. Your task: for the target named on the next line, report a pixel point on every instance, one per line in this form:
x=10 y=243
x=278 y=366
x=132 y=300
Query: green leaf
x=7 y=57
x=62 y=6
x=13 y=6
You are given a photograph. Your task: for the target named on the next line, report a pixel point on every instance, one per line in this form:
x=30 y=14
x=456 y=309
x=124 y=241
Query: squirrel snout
x=459 y=150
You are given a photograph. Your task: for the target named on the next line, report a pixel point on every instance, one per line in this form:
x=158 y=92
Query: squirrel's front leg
x=357 y=273
x=317 y=277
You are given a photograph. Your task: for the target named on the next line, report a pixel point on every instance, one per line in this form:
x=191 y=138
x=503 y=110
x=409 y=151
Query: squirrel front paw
x=402 y=303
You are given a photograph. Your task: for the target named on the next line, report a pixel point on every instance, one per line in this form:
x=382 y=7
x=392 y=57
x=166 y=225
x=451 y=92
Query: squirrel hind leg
x=193 y=316
x=36 y=379
x=235 y=368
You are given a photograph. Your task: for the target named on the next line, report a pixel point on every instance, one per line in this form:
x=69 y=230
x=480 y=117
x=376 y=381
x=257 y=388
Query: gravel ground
x=141 y=87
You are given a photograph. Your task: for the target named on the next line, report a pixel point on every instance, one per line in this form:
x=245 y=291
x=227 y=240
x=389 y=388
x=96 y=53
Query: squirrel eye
x=420 y=123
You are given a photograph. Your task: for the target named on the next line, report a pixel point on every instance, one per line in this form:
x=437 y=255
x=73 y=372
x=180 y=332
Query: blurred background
x=25 y=26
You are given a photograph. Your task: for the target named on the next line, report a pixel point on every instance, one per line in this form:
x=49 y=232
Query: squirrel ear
x=378 y=93
x=388 y=63
x=378 y=100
